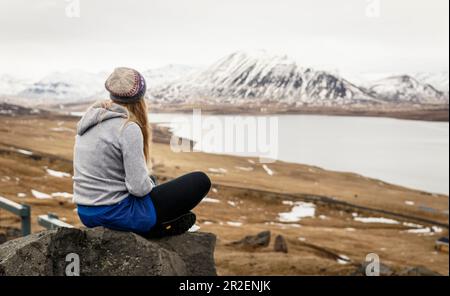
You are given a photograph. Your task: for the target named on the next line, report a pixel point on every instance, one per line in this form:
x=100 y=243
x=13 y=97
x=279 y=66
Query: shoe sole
x=176 y=226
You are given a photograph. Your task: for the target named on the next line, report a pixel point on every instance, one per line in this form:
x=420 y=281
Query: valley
x=351 y=215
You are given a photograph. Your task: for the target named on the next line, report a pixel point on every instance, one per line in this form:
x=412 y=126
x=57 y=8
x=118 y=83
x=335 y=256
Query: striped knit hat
x=126 y=85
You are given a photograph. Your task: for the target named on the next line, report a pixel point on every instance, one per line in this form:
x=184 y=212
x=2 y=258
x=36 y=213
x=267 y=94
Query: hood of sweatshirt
x=97 y=113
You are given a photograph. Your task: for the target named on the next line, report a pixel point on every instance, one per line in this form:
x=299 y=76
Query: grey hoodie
x=109 y=161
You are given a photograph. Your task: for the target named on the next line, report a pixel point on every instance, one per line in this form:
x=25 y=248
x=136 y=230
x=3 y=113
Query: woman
x=112 y=186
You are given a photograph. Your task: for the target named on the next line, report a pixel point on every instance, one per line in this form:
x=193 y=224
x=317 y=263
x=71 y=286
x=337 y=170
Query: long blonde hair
x=137 y=113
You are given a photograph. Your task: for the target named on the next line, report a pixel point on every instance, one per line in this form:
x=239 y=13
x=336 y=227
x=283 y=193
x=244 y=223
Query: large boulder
x=107 y=252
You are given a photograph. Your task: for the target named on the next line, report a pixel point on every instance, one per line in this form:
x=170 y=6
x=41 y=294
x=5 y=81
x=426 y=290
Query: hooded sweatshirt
x=109 y=162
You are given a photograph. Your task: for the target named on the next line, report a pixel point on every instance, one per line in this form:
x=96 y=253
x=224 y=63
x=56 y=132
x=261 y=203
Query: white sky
x=36 y=36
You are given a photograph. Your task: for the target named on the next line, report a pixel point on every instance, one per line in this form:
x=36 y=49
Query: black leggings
x=178 y=196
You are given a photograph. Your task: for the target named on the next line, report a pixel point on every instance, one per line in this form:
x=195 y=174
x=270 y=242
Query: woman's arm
x=137 y=179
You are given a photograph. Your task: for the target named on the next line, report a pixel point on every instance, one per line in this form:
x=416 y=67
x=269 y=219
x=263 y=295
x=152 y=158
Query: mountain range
x=241 y=78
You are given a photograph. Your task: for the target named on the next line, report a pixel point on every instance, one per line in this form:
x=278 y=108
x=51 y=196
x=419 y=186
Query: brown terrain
x=245 y=200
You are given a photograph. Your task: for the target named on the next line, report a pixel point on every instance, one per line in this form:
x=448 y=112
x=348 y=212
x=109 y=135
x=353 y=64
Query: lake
x=411 y=153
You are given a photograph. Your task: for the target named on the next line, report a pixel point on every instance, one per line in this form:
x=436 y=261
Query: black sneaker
x=176 y=226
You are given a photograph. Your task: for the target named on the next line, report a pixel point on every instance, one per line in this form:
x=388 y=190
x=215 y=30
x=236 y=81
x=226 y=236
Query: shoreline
x=437 y=113
x=434 y=114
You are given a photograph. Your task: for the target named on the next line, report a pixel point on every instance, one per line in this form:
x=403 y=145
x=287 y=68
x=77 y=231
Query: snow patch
x=23 y=151
x=234 y=224
x=194 y=228
x=209 y=199
x=245 y=169
x=218 y=170
x=231 y=203
x=343 y=260
x=427 y=230
x=299 y=210
x=40 y=195
x=57 y=174
x=268 y=170
x=62 y=194
x=379 y=220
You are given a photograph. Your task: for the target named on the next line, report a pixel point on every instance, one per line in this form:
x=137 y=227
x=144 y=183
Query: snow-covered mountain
x=242 y=77
x=71 y=85
x=406 y=89
x=438 y=80
x=10 y=85
x=158 y=76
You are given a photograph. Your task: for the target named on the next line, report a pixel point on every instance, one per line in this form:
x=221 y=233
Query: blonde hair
x=137 y=113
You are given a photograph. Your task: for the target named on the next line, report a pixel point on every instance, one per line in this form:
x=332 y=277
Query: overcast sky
x=37 y=37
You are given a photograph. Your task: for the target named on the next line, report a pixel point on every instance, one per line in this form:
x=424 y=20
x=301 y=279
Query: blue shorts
x=135 y=214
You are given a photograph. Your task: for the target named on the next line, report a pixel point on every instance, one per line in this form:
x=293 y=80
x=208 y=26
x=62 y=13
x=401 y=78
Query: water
x=411 y=153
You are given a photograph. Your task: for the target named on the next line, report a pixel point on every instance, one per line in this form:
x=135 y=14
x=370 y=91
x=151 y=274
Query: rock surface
x=107 y=252
x=260 y=240
x=280 y=244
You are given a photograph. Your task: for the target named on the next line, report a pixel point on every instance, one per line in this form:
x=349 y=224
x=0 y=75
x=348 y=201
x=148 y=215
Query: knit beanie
x=126 y=85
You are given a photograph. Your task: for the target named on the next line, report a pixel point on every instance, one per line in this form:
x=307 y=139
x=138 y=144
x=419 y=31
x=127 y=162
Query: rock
x=106 y=252
x=9 y=234
x=260 y=240
x=417 y=271
x=280 y=244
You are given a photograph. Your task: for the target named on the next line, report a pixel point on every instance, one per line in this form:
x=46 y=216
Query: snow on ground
x=194 y=228
x=57 y=174
x=343 y=260
x=302 y=239
x=214 y=190
x=375 y=220
x=299 y=210
x=288 y=202
x=62 y=194
x=209 y=199
x=234 y=224
x=409 y=203
x=231 y=203
x=23 y=151
x=40 y=195
x=413 y=225
x=245 y=169
x=208 y=223
x=61 y=129
x=350 y=229
x=77 y=114
x=21 y=194
x=218 y=170
x=283 y=225
x=268 y=170
x=427 y=230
